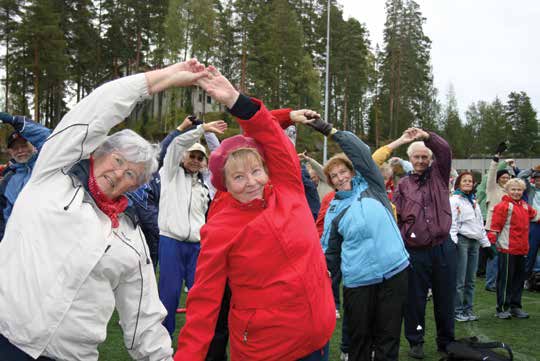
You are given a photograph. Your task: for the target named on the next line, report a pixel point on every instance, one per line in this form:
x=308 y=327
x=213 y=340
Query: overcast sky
x=484 y=48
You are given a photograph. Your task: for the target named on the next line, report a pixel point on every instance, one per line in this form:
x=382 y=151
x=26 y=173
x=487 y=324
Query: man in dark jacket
x=23 y=146
x=424 y=218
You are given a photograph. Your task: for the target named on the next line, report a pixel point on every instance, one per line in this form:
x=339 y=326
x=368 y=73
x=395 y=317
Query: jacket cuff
x=244 y=108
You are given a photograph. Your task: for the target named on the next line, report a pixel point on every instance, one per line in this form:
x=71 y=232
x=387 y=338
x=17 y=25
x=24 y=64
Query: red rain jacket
x=282 y=306
x=511 y=221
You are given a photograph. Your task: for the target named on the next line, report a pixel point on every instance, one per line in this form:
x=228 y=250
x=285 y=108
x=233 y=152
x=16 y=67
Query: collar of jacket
x=470 y=196
x=255 y=204
x=80 y=172
x=421 y=178
x=507 y=198
x=356 y=183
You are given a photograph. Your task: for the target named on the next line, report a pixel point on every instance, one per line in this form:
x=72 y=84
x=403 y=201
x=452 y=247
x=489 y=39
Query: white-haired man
x=424 y=218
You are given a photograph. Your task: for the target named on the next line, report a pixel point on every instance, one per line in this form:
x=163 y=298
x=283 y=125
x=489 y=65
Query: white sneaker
x=344 y=357
x=338 y=315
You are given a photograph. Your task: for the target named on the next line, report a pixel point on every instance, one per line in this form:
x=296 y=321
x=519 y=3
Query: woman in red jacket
x=510 y=231
x=262 y=238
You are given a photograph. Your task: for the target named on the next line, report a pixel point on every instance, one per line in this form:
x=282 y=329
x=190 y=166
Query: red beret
x=219 y=156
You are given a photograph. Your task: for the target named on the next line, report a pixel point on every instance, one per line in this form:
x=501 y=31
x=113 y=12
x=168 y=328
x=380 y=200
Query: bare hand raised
x=218 y=127
x=219 y=87
x=304 y=116
x=176 y=75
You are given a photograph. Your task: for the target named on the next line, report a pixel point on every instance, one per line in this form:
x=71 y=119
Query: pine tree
x=525 y=140
x=41 y=56
x=9 y=11
x=407 y=82
x=452 y=127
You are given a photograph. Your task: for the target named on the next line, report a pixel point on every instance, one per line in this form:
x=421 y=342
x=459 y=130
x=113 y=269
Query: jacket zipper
x=141 y=288
x=245 y=336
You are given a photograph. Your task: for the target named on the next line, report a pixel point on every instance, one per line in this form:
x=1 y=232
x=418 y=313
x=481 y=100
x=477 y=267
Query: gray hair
x=133 y=148
x=416 y=146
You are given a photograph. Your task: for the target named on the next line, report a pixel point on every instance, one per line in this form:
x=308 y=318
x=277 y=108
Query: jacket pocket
x=241 y=323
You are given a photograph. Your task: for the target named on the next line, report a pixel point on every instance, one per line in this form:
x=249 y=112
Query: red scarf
x=111 y=207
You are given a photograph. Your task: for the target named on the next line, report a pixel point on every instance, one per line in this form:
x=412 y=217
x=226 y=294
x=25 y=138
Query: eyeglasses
x=120 y=163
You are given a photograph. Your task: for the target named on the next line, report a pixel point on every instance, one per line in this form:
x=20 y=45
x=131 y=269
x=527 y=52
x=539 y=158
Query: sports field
x=522 y=335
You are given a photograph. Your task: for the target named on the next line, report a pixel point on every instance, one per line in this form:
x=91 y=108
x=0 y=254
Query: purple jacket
x=423 y=201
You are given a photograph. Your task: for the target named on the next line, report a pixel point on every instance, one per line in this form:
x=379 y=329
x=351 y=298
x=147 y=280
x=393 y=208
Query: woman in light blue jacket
x=365 y=242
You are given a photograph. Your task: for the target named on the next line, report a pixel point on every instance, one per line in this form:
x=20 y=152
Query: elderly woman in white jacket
x=467 y=231
x=73 y=250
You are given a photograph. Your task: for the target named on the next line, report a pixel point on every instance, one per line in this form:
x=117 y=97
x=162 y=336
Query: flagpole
x=325 y=146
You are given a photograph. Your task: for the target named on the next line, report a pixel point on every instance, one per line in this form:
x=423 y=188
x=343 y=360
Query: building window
x=200 y=98
x=208 y=99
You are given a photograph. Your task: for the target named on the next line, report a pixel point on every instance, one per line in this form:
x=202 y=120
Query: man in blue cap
x=23 y=145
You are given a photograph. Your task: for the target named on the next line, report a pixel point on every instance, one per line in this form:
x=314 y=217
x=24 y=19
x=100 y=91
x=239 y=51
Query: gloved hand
x=501 y=148
x=6 y=117
x=194 y=120
x=491 y=251
x=321 y=126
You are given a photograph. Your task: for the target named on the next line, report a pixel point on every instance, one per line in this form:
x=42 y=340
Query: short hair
x=457 y=183
x=242 y=155
x=415 y=146
x=133 y=148
x=515 y=182
x=337 y=159
x=386 y=168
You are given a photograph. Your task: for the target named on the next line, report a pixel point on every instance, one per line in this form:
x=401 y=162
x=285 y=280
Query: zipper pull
x=245 y=336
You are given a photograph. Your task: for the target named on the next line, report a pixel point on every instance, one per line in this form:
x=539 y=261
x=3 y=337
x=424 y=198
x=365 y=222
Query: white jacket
x=467 y=220
x=63 y=268
x=184 y=197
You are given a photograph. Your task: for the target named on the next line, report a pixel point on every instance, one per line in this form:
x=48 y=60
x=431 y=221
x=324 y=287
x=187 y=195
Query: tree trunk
x=244 y=64
x=346 y=99
x=6 y=105
x=138 y=54
x=398 y=100
x=36 y=83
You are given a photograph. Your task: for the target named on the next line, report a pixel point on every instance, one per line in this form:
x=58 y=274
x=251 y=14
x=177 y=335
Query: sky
x=483 y=48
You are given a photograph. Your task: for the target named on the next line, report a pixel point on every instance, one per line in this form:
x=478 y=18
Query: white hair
x=414 y=146
x=133 y=148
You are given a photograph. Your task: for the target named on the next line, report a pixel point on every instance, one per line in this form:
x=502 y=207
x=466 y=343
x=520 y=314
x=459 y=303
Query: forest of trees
x=55 y=52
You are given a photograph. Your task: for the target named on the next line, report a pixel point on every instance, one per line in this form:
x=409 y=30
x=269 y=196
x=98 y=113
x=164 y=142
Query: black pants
x=373 y=315
x=9 y=352
x=510 y=281
x=218 y=347
x=433 y=267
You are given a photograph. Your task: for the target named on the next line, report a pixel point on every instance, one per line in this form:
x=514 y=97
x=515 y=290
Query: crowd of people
x=264 y=238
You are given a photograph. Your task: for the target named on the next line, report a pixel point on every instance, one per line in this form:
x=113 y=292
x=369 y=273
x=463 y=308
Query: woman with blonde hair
x=262 y=239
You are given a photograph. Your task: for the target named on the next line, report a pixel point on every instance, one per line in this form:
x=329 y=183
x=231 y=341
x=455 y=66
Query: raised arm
x=317 y=168
x=86 y=126
x=33 y=132
x=259 y=123
x=360 y=155
x=182 y=142
x=442 y=154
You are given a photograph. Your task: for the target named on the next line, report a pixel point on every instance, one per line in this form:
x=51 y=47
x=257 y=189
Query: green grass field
x=522 y=335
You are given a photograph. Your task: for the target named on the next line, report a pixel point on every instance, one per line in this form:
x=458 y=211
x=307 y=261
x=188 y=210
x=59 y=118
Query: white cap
x=198 y=147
